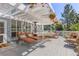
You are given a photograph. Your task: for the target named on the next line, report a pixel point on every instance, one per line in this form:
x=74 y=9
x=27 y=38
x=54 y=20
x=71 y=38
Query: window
x=28 y=27
x=1 y=38
x=1 y=27
x=1 y=31
x=19 y=26
x=24 y=26
x=39 y=28
x=47 y=27
x=13 y=28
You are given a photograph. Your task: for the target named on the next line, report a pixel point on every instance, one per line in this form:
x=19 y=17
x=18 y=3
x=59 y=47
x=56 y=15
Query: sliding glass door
x=19 y=26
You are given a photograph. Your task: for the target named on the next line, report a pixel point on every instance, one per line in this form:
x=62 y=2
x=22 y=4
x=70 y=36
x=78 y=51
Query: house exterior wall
x=9 y=38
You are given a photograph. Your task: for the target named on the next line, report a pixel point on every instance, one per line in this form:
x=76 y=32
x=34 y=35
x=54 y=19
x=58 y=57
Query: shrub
x=58 y=26
x=75 y=27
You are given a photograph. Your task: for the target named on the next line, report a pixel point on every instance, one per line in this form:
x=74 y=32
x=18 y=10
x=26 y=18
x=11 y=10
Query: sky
x=59 y=7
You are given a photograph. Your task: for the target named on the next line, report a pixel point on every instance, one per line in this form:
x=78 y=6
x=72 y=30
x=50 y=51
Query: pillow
x=30 y=35
x=23 y=36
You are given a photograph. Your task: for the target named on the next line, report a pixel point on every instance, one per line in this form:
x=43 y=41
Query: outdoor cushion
x=70 y=41
x=30 y=35
x=23 y=36
x=28 y=40
x=35 y=37
x=73 y=35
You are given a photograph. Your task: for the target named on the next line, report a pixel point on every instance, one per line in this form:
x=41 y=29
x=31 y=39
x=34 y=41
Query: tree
x=77 y=18
x=68 y=15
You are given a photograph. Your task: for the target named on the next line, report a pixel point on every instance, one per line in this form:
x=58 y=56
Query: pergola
x=28 y=12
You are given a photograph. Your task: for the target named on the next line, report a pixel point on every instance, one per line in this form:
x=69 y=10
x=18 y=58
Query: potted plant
x=52 y=16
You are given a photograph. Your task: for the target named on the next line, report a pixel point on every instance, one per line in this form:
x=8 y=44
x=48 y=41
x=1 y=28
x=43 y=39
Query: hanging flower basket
x=52 y=16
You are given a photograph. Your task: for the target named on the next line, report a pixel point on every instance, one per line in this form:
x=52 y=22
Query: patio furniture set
x=27 y=37
x=51 y=35
x=31 y=37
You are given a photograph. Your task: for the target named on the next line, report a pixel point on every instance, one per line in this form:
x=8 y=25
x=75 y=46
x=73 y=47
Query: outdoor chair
x=76 y=49
x=51 y=35
x=33 y=36
x=72 y=39
x=27 y=37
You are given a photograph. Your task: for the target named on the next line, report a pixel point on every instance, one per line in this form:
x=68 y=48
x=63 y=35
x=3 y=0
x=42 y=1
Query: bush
x=75 y=27
x=58 y=26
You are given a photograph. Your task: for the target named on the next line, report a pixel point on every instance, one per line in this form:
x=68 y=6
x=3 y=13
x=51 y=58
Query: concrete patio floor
x=51 y=47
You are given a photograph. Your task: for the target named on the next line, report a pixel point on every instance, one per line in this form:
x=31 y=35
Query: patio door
x=2 y=31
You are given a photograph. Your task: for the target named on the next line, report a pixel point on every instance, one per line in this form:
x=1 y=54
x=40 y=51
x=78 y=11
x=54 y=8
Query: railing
x=65 y=33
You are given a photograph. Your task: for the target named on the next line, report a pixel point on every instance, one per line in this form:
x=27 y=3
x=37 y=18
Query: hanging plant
x=52 y=16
